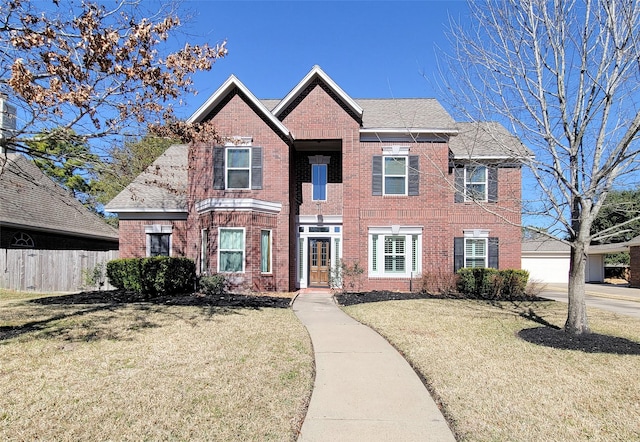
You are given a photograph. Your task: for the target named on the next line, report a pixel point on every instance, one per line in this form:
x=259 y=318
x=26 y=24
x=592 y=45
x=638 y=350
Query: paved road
x=618 y=299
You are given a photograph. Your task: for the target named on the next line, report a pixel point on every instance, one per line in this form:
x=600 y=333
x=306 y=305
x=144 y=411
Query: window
x=319 y=181
x=238 y=168
x=22 y=240
x=158 y=240
x=395 y=175
x=159 y=244
x=475 y=249
x=204 y=251
x=265 y=251
x=475 y=252
x=231 y=250
x=395 y=252
x=475 y=183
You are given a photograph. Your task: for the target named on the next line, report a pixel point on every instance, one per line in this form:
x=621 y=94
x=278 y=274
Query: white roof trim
x=317 y=71
x=222 y=92
x=239 y=204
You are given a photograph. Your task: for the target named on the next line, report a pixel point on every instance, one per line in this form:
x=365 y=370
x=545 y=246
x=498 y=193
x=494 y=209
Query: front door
x=319 y=262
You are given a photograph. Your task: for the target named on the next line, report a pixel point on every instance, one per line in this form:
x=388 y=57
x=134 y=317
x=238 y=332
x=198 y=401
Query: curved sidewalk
x=364 y=389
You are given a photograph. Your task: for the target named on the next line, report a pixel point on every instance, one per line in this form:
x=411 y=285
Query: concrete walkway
x=364 y=390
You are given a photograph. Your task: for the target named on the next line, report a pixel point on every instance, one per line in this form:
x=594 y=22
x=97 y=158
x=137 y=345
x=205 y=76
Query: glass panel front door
x=319 y=262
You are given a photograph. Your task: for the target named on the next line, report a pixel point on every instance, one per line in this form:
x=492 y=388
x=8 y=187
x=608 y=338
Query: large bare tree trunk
x=577 y=322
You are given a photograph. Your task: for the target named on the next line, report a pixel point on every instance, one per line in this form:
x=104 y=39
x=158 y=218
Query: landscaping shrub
x=160 y=275
x=487 y=283
x=215 y=285
x=439 y=282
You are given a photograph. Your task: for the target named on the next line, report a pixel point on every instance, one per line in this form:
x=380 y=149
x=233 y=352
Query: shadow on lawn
x=84 y=303
x=589 y=343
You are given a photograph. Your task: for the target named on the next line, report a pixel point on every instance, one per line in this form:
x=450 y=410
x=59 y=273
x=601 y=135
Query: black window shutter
x=459 y=185
x=458 y=254
x=256 y=168
x=414 y=175
x=493 y=184
x=218 y=168
x=493 y=253
x=376 y=180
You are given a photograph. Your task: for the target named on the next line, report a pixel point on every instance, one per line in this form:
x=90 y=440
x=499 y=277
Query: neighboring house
x=634 y=262
x=48 y=239
x=36 y=213
x=547 y=260
x=300 y=184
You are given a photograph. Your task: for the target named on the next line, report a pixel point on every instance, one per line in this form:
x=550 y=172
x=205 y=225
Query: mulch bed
x=114 y=297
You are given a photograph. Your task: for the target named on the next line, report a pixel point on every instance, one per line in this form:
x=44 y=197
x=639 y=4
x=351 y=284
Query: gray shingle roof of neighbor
x=32 y=200
x=161 y=187
x=486 y=139
x=544 y=244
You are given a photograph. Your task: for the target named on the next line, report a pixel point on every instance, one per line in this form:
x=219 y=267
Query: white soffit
x=222 y=92
x=306 y=81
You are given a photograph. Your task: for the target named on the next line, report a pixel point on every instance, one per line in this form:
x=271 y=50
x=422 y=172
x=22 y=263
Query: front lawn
x=109 y=367
x=500 y=375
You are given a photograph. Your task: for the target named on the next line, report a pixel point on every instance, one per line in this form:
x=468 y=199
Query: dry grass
x=145 y=371
x=494 y=385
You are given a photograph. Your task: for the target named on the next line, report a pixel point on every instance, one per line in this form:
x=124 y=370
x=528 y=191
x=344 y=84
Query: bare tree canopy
x=565 y=76
x=91 y=70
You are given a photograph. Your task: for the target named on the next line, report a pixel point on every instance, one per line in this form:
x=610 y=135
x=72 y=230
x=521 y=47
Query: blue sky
x=372 y=49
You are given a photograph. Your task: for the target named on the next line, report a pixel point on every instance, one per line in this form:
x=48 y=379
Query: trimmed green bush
x=487 y=283
x=214 y=285
x=160 y=275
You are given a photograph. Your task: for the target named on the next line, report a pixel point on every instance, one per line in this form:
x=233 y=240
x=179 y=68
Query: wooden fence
x=51 y=270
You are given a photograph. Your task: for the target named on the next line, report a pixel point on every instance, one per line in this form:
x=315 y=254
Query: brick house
x=303 y=183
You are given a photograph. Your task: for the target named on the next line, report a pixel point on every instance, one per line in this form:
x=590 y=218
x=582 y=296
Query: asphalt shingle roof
x=31 y=199
x=404 y=113
x=490 y=139
x=162 y=186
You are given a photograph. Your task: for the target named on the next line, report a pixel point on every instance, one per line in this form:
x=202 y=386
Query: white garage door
x=547 y=269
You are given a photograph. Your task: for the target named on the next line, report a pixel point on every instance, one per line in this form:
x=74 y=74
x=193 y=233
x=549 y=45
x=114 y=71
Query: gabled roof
x=545 y=244
x=317 y=73
x=228 y=87
x=162 y=187
x=487 y=140
x=29 y=199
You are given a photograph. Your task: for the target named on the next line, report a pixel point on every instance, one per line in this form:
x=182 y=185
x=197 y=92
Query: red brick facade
x=323 y=126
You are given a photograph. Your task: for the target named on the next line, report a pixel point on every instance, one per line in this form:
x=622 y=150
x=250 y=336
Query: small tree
x=565 y=77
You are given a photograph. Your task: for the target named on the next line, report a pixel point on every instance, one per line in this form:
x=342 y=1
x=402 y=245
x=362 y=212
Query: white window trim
x=485 y=182
x=227 y=168
x=270 y=272
x=158 y=229
x=486 y=250
x=406 y=175
x=408 y=232
x=244 y=250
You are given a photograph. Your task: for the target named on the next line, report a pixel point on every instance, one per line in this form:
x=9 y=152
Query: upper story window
x=319 y=181
x=395 y=176
x=237 y=167
x=396 y=173
x=475 y=183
